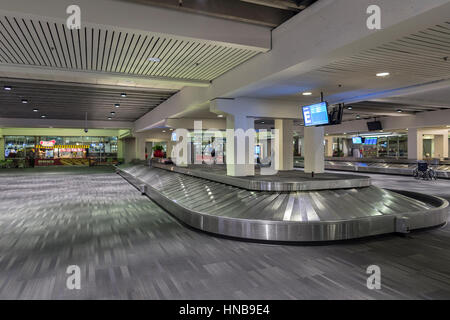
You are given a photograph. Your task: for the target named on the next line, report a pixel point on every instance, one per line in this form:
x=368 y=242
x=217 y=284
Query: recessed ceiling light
x=307 y=93
x=349 y=107
x=171 y=129
x=383 y=74
x=117 y=105
x=154 y=59
x=109 y=118
x=262 y=122
x=7 y=88
x=35 y=110
x=358 y=117
x=24 y=101
x=113 y=113
x=164 y=130
x=220 y=115
x=43 y=116
x=399 y=110
x=123 y=95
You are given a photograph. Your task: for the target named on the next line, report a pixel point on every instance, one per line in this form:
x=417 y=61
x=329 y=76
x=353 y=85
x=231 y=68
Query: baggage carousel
x=394 y=167
x=297 y=210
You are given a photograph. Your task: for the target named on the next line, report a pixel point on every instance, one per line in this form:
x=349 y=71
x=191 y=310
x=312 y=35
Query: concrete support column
x=328 y=146
x=129 y=149
x=284 y=155
x=120 y=149
x=170 y=145
x=314 y=150
x=240 y=146
x=140 y=148
x=2 y=148
x=302 y=146
x=415 y=144
x=441 y=146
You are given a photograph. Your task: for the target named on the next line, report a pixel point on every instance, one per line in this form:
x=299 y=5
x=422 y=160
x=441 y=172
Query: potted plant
x=158 y=151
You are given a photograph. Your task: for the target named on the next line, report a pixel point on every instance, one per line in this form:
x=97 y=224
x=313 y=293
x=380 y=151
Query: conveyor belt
x=442 y=171
x=285 y=216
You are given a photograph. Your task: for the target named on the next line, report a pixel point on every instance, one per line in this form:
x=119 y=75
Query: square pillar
x=441 y=146
x=2 y=148
x=240 y=146
x=170 y=145
x=120 y=149
x=415 y=144
x=284 y=155
x=328 y=146
x=140 y=148
x=314 y=150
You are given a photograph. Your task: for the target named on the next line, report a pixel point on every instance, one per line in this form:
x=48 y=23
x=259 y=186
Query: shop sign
x=48 y=144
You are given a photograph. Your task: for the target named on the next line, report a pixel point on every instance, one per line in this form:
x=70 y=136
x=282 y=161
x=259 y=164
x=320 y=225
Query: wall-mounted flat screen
x=374 y=126
x=370 y=141
x=316 y=114
x=357 y=140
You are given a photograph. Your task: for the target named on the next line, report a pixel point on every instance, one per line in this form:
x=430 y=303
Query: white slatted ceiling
x=49 y=44
x=418 y=55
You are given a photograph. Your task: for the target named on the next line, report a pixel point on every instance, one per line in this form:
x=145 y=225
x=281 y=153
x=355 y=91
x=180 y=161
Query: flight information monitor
x=371 y=141
x=357 y=140
x=316 y=114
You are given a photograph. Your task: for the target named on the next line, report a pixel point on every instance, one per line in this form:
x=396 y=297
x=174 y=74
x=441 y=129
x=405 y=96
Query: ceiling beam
x=280 y=4
x=62 y=123
x=98 y=78
x=227 y=9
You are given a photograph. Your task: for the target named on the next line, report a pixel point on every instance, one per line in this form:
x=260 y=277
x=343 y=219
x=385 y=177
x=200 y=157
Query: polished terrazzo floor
x=129 y=248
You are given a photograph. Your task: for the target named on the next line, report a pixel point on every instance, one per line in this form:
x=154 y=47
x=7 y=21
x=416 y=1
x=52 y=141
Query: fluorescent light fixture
x=154 y=59
x=7 y=88
x=307 y=93
x=383 y=74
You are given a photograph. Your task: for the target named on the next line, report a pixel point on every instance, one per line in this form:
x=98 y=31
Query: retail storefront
x=49 y=154
x=28 y=151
